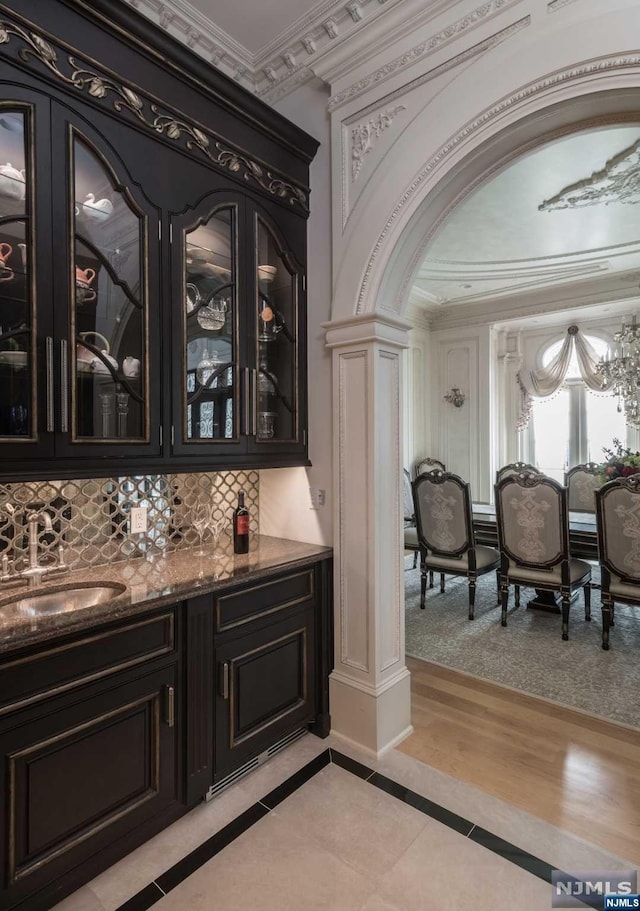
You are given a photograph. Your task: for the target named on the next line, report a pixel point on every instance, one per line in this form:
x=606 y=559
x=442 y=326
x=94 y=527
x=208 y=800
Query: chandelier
x=621 y=374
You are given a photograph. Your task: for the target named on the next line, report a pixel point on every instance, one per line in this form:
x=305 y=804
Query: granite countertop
x=150 y=583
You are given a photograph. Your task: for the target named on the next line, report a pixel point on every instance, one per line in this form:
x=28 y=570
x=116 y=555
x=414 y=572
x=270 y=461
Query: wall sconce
x=455 y=397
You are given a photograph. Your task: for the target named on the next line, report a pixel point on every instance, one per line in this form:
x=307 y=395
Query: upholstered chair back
x=442 y=504
x=581 y=482
x=513 y=468
x=425 y=465
x=618 y=513
x=408 y=497
x=531 y=515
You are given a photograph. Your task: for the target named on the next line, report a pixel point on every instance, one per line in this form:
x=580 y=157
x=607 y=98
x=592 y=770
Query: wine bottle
x=241 y=526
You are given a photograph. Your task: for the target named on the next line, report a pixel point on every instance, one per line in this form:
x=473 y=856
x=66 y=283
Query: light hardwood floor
x=576 y=772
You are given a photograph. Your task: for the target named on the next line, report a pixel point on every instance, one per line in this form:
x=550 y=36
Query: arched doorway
x=379 y=257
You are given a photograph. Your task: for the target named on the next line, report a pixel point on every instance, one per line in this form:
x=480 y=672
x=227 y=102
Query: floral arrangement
x=620 y=463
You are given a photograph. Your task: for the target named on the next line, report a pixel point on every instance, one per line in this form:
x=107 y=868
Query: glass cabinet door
x=109 y=304
x=209 y=314
x=276 y=395
x=17 y=281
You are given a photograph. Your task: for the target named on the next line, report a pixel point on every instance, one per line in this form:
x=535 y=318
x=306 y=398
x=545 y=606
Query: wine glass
x=200 y=520
x=216 y=527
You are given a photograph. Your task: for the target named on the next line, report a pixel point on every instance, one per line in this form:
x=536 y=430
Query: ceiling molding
x=555 y=5
x=185 y=23
x=328 y=41
x=603 y=289
x=425 y=48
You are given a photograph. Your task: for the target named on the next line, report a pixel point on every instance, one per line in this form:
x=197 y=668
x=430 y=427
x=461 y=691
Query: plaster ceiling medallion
x=364 y=135
x=618 y=181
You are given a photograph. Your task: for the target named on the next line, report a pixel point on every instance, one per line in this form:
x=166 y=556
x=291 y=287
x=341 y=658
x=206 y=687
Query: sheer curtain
x=547 y=380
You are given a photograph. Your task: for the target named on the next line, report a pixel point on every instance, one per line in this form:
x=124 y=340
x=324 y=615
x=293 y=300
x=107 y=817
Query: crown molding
x=327 y=42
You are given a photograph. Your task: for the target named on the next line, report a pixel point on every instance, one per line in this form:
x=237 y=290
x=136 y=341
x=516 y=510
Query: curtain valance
x=547 y=380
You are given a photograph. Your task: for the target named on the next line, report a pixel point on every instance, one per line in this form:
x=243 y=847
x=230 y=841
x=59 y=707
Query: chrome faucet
x=34 y=571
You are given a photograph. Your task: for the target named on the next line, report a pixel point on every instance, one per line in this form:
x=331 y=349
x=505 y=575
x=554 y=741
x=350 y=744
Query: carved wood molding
x=81 y=74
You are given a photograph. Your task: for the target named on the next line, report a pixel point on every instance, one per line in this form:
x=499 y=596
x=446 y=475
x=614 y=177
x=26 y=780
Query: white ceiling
x=254 y=25
x=498 y=243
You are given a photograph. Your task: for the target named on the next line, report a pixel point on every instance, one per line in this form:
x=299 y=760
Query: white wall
x=285 y=503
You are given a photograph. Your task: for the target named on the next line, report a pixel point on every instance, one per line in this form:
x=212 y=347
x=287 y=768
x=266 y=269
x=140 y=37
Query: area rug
x=529 y=654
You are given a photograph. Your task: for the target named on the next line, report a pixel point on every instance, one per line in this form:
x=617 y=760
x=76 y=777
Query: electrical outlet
x=138 y=520
x=318 y=497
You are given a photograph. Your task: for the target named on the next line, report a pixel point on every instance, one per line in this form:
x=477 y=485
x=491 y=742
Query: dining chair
x=533 y=536
x=410 y=533
x=581 y=482
x=618 y=518
x=442 y=503
x=513 y=468
x=425 y=465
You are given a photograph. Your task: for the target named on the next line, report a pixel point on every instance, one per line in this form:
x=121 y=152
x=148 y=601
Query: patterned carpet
x=529 y=653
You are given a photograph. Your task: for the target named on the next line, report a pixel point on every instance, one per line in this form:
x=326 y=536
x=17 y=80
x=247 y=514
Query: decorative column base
x=374 y=718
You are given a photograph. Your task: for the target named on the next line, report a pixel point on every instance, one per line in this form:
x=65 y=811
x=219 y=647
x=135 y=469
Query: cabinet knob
x=225 y=680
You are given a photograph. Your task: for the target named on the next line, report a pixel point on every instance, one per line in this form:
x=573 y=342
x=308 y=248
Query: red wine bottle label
x=242 y=527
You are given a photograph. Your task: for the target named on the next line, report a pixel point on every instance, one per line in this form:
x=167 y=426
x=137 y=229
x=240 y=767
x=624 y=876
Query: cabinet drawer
x=30 y=678
x=256 y=601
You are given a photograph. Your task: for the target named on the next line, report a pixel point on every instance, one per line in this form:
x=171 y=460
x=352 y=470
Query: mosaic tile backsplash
x=90 y=518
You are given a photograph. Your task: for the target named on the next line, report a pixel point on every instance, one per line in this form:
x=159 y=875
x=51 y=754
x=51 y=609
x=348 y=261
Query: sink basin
x=61 y=600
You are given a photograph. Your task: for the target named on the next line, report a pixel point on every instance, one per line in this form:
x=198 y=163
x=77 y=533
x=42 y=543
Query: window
x=573 y=426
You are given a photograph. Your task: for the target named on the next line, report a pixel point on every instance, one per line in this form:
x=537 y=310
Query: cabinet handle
x=49 y=363
x=171 y=706
x=64 y=390
x=254 y=402
x=225 y=680
x=247 y=393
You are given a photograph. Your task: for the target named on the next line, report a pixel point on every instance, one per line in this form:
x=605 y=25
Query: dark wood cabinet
x=152 y=287
x=266 y=687
x=110 y=734
x=84 y=773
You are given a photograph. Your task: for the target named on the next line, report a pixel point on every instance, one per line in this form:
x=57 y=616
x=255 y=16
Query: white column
x=369 y=687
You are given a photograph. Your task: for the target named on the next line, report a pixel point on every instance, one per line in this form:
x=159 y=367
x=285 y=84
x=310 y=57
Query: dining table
x=583 y=545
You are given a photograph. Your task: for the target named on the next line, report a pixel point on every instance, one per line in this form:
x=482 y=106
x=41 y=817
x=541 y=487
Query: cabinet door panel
x=277 y=332
x=26 y=400
x=109 y=335
x=266 y=688
x=207 y=281
x=81 y=777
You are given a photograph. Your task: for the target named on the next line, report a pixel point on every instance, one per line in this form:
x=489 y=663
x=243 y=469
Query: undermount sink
x=61 y=600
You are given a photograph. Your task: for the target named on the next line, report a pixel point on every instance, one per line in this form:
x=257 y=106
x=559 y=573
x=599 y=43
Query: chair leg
x=415 y=558
x=423 y=583
x=430 y=578
x=442 y=583
x=606 y=623
x=613 y=614
x=472 y=596
x=504 y=592
x=566 y=604
x=517 y=595
x=587 y=601
x=498 y=585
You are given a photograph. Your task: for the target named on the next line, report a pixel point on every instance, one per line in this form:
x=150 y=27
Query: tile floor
x=323 y=826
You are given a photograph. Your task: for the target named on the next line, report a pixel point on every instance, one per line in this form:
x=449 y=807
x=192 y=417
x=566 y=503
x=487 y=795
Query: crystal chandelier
x=621 y=374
